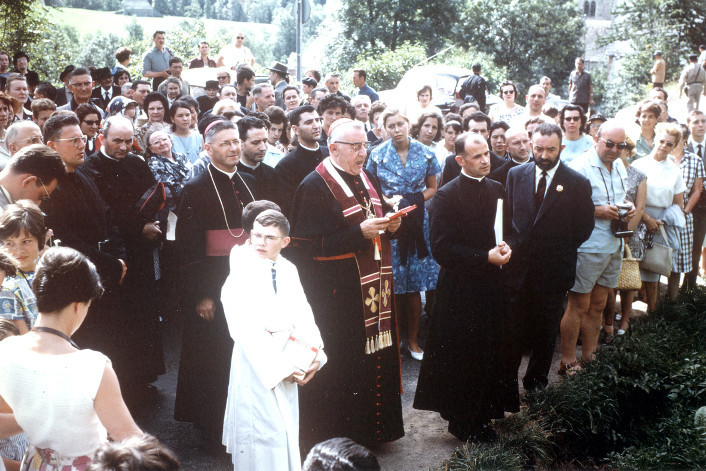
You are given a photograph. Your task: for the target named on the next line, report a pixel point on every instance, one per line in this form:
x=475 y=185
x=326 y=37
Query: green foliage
x=58 y=46
x=524 y=37
x=107 y=5
x=262 y=11
x=21 y=23
x=99 y=50
x=135 y=31
x=386 y=69
x=631 y=408
x=286 y=40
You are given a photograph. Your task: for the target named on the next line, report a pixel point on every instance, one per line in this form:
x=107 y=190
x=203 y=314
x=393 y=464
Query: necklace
x=49 y=330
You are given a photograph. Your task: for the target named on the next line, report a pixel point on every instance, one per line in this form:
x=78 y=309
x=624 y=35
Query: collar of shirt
x=309 y=148
x=520 y=163
x=230 y=175
x=463 y=172
x=103 y=152
x=694 y=144
x=550 y=175
x=250 y=166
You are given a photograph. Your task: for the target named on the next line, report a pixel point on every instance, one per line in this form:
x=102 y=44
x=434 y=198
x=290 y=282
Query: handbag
x=629 y=278
x=658 y=258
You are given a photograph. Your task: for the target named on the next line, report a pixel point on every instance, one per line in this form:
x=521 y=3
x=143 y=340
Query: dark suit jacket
x=61 y=99
x=452 y=169
x=544 y=242
x=279 y=99
x=98 y=94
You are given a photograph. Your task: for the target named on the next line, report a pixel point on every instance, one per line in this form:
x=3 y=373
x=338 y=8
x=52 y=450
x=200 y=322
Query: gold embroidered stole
x=375 y=275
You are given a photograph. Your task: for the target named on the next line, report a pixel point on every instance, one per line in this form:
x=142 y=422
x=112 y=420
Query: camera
x=620 y=226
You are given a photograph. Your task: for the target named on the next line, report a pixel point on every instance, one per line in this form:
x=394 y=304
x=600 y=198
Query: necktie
x=274 y=278
x=106 y=96
x=541 y=189
x=698 y=152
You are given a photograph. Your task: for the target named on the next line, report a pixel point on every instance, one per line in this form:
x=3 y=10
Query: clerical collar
x=518 y=162
x=230 y=175
x=468 y=176
x=106 y=155
x=250 y=166
x=309 y=148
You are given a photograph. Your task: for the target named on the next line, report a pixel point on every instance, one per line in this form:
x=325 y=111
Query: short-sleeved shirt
x=398 y=179
x=606 y=188
x=233 y=56
x=17 y=300
x=664 y=180
x=575 y=148
x=581 y=90
x=156 y=60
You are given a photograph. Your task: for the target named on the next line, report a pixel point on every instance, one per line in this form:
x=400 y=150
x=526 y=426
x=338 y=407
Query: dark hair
x=460 y=144
x=416 y=127
x=470 y=104
x=138 y=453
x=206 y=120
x=505 y=84
x=453 y=117
x=46 y=89
x=9 y=265
x=427 y=88
x=80 y=71
x=295 y=115
x=547 y=129
x=276 y=115
x=178 y=103
x=119 y=73
x=84 y=109
x=19 y=54
x=139 y=82
x=174 y=60
x=56 y=123
x=253 y=209
x=330 y=102
x=315 y=73
x=243 y=74
x=361 y=73
x=24 y=216
x=478 y=117
x=191 y=101
x=40 y=161
x=476 y=68
x=648 y=106
x=7 y=328
x=42 y=104
x=498 y=125
x=262 y=116
x=248 y=123
x=218 y=127
x=661 y=90
x=157 y=32
x=550 y=110
x=156 y=96
x=317 y=90
x=535 y=120
x=273 y=217
x=350 y=110
x=123 y=54
x=571 y=107
x=65 y=276
x=340 y=454
x=289 y=87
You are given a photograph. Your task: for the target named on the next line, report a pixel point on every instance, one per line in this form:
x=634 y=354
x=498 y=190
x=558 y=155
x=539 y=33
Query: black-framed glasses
x=355 y=145
x=572 y=118
x=222 y=77
x=610 y=144
x=92 y=122
x=508 y=92
x=240 y=37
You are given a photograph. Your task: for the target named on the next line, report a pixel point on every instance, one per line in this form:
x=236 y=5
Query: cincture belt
x=335 y=257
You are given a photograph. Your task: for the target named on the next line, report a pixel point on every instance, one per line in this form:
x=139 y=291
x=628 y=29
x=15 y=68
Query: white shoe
x=416 y=355
x=620 y=332
x=618 y=317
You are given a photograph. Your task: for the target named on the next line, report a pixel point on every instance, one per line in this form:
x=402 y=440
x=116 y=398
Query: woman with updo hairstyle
x=67 y=400
x=647 y=114
x=144 y=453
x=508 y=109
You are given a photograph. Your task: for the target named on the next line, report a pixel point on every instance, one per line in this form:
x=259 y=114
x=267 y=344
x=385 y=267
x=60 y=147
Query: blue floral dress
x=416 y=274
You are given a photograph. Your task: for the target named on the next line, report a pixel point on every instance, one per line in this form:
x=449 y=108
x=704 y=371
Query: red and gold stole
x=375 y=272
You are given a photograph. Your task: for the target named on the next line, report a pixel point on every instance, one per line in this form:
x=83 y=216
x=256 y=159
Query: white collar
x=230 y=175
x=695 y=143
x=550 y=172
x=105 y=154
x=309 y=148
x=463 y=172
x=250 y=166
x=520 y=163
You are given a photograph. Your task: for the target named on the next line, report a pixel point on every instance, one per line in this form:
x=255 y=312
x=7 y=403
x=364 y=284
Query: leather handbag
x=658 y=258
x=629 y=278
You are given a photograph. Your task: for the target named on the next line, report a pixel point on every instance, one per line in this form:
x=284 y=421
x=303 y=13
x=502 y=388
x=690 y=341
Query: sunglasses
x=92 y=122
x=572 y=118
x=225 y=77
x=665 y=143
x=610 y=144
x=508 y=92
x=240 y=37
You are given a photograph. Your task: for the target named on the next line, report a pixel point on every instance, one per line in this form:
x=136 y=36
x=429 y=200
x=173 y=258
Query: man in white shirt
x=233 y=54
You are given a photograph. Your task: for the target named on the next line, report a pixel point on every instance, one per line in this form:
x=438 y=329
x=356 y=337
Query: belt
x=335 y=257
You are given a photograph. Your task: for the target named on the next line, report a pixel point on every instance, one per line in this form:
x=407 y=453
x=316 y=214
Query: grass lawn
x=91 y=21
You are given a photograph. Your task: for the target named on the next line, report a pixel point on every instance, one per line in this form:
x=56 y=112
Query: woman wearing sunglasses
x=665 y=188
x=508 y=109
x=573 y=122
x=90 y=119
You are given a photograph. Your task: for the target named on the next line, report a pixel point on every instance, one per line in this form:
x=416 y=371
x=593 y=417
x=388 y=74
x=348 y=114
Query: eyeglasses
x=240 y=37
x=595 y=125
x=222 y=77
x=267 y=238
x=46 y=193
x=82 y=84
x=159 y=141
x=610 y=144
x=32 y=140
x=508 y=92
x=355 y=145
x=77 y=141
x=666 y=143
x=92 y=122
x=572 y=118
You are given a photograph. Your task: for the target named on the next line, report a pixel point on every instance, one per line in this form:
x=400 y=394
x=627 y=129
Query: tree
x=21 y=23
x=531 y=38
x=99 y=50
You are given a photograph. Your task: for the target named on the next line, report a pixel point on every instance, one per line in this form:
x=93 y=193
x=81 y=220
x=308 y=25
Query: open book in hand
x=300 y=353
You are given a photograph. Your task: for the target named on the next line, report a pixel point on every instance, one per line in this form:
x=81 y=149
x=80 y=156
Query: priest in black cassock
x=122 y=179
x=344 y=260
x=209 y=225
x=299 y=163
x=81 y=219
x=460 y=375
x=253 y=134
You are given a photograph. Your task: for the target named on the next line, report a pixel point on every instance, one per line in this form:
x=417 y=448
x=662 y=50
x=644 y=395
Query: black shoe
x=485 y=435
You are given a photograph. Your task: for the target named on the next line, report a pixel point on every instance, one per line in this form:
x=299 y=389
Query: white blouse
x=664 y=180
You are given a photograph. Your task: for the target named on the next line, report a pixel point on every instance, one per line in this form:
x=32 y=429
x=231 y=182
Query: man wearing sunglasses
x=600 y=257
x=233 y=54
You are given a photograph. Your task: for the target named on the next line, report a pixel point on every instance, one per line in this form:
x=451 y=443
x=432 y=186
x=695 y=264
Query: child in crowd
x=143 y=453
x=11 y=448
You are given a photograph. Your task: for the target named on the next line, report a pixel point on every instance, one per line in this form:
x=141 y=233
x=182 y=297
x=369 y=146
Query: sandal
x=608 y=337
x=568 y=370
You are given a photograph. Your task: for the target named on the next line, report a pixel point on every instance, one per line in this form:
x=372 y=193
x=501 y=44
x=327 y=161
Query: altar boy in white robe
x=265 y=305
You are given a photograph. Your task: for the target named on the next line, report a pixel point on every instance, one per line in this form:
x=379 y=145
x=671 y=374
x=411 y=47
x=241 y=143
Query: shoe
x=416 y=355
x=570 y=369
x=618 y=317
x=621 y=332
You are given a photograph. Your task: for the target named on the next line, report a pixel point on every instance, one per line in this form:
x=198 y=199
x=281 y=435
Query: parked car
x=445 y=82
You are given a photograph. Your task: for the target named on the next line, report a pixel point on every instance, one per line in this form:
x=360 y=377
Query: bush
x=631 y=408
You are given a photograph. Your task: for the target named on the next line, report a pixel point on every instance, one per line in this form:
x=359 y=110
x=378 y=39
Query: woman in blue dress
x=407 y=172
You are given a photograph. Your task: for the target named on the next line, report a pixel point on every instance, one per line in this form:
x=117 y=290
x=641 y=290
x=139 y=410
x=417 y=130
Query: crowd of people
x=269 y=217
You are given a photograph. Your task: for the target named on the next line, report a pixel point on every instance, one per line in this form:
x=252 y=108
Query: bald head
x=536 y=98
x=517 y=143
x=609 y=136
x=22 y=134
x=118 y=136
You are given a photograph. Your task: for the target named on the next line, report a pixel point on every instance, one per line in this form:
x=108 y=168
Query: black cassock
x=293 y=169
x=460 y=375
x=355 y=395
x=121 y=184
x=202 y=385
